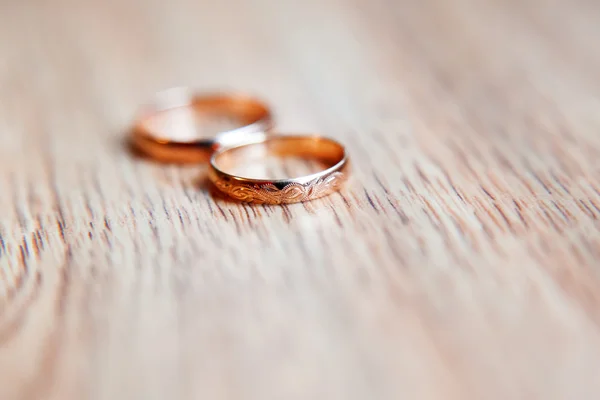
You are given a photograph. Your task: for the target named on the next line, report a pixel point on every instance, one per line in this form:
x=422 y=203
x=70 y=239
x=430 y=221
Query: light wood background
x=463 y=262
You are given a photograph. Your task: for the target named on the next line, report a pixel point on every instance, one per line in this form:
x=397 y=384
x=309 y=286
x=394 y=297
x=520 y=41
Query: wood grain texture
x=461 y=263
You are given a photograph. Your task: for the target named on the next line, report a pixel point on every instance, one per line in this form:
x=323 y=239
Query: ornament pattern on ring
x=270 y=194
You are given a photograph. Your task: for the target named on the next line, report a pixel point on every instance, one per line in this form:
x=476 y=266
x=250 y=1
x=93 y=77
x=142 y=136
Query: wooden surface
x=461 y=263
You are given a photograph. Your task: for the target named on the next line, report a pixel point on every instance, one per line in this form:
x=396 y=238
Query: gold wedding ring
x=168 y=130
x=281 y=191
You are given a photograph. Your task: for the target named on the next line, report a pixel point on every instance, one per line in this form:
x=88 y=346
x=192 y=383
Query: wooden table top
x=462 y=261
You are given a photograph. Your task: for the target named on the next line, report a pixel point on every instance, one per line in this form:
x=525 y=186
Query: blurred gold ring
x=177 y=140
x=281 y=191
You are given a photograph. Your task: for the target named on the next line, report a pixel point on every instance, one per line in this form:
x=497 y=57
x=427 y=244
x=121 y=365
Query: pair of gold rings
x=167 y=132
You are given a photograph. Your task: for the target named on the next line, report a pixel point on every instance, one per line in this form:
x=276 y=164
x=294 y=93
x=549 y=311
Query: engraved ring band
x=168 y=131
x=281 y=191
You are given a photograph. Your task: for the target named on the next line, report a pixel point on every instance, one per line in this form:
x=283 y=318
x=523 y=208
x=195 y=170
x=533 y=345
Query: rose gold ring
x=328 y=152
x=168 y=130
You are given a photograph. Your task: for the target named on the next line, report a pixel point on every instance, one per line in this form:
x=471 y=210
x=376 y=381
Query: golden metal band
x=178 y=141
x=281 y=191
